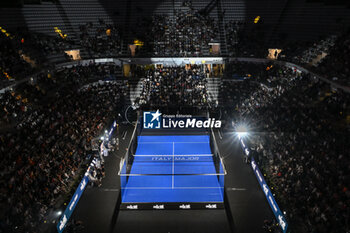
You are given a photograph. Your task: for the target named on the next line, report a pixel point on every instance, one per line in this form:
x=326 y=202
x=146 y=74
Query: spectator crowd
x=182 y=34
x=300 y=125
x=336 y=65
x=101 y=39
x=174 y=87
x=300 y=128
x=49 y=140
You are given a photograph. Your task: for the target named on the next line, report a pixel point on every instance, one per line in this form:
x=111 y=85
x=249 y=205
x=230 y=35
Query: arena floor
x=98 y=208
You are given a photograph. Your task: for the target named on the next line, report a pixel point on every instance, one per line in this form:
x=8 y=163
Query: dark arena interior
x=175 y=116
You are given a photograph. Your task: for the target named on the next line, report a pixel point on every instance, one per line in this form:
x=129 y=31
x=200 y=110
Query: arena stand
x=265 y=90
x=174 y=86
x=288 y=118
x=49 y=141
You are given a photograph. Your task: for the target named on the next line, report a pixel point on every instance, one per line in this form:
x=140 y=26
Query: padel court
x=160 y=171
x=172 y=169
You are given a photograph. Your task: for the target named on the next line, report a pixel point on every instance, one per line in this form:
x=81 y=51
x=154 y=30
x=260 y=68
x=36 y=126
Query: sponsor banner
x=171 y=206
x=74 y=201
x=72 y=204
x=79 y=191
x=269 y=196
x=157 y=120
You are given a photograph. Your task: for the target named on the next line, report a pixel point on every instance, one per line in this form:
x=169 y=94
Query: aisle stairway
x=213 y=90
x=222 y=30
x=134 y=90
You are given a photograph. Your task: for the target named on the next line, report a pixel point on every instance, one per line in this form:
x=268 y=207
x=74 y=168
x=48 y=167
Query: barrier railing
x=265 y=188
x=126 y=160
x=62 y=223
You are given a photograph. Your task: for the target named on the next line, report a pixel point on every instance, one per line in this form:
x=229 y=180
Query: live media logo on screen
x=155 y=120
x=152 y=120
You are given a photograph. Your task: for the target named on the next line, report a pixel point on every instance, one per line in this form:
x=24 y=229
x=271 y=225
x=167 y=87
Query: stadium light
x=241 y=131
x=59 y=213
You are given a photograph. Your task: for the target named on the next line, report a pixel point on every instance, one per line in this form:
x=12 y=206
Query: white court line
x=188 y=174
x=173 y=155
x=173 y=165
x=169 y=142
x=174 y=188
x=152 y=142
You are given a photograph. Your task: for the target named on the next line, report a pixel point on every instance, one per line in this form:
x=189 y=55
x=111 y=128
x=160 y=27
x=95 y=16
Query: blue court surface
x=173 y=169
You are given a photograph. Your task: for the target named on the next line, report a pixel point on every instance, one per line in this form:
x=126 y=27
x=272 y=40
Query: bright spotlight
x=102 y=138
x=242 y=134
x=59 y=213
x=241 y=131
